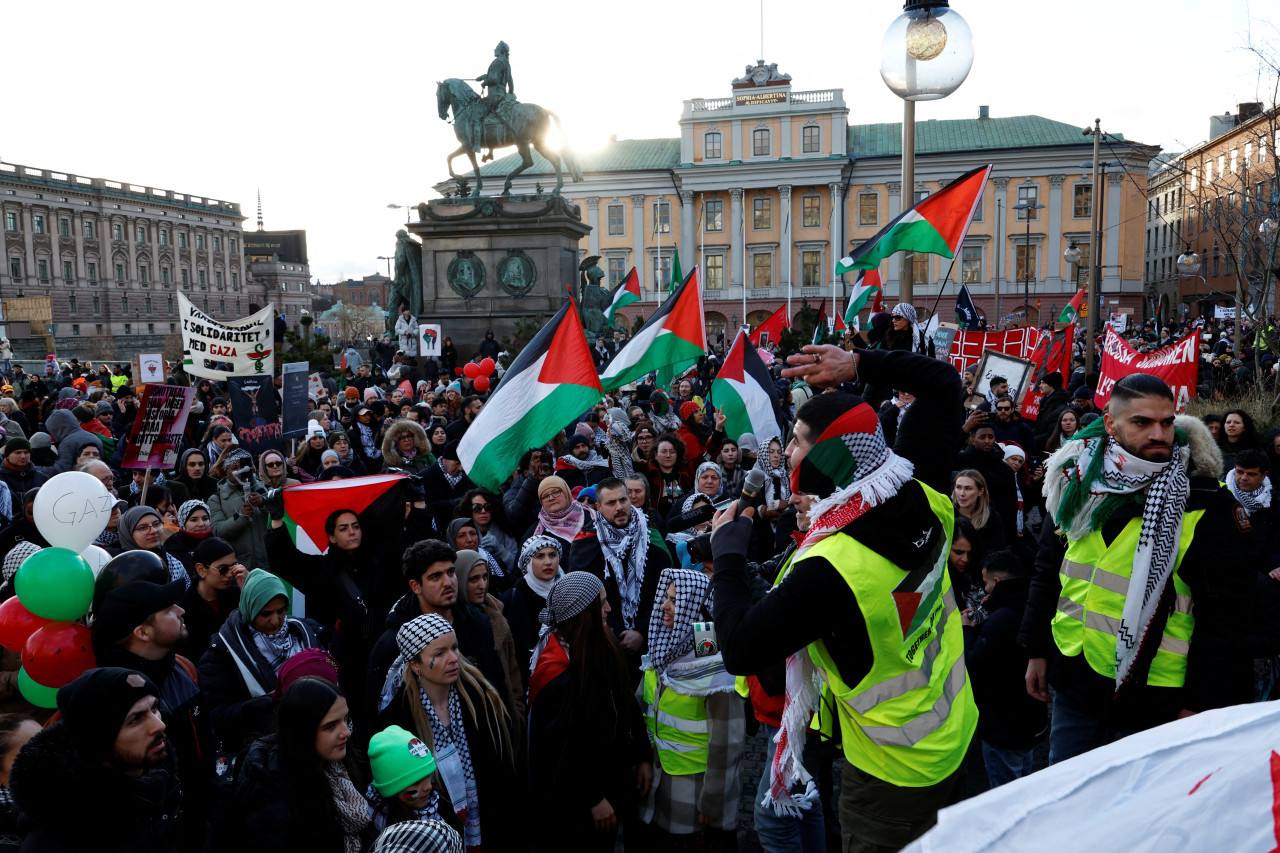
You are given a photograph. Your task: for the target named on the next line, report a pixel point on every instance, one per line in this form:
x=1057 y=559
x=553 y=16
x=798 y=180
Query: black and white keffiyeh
x=413 y=636
x=533 y=545
x=668 y=644
x=1089 y=477
x=593 y=460
x=453 y=762
x=625 y=552
x=618 y=442
x=451 y=479
x=415 y=836
x=353 y=810
x=1259 y=498
x=908 y=313
x=777 y=481
x=188 y=507
x=278 y=647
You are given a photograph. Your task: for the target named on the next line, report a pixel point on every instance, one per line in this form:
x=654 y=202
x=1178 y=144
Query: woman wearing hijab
x=463 y=535
x=665 y=417
x=238 y=672
x=696 y=719
x=273 y=469
x=193 y=478
x=587 y=739
x=539 y=566
x=472 y=574
x=906 y=333
x=193 y=528
x=139 y=530
x=559 y=515
x=433 y=691
x=707 y=486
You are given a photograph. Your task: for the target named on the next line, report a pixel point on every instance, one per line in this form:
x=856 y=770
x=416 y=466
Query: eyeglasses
x=143 y=528
x=479 y=507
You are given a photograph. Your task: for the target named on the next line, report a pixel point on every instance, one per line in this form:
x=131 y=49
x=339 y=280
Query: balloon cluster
x=55 y=587
x=478 y=373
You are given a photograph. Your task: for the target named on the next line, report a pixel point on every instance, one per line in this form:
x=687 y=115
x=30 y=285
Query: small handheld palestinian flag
x=1072 y=309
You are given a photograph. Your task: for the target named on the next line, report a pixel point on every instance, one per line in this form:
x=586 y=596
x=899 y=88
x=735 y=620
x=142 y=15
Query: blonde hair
x=473 y=679
x=982 y=504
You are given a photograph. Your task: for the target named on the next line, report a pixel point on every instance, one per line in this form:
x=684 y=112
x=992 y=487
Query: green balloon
x=55 y=583
x=35 y=692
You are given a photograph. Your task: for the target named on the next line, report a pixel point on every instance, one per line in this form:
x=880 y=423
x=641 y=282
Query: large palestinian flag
x=378 y=500
x=551 y=382
x=674 y=337
x=745 y=391
x=934 y=226
x=626 y=293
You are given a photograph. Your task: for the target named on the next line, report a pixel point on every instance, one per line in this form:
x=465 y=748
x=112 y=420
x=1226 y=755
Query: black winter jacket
x=1008 y=718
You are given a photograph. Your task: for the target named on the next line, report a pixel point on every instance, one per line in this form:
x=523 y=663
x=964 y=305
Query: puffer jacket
x=246 y=535
x=421 y=460
x=70 y=439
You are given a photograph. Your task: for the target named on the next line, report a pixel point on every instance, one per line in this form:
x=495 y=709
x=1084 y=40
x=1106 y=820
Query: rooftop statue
x=498 y=120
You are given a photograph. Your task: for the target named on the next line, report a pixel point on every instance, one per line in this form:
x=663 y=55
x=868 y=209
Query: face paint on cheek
x=431 y=664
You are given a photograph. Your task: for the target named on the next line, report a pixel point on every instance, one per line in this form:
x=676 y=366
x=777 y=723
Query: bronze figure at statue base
x=489 y=261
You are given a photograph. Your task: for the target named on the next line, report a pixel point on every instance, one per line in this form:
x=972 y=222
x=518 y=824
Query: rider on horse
x=499 y=85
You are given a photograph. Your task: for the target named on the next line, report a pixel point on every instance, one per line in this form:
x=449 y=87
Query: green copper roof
x=971 y=134
x=865 y=141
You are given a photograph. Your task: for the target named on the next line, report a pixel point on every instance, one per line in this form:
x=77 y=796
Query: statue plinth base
x=489 y=261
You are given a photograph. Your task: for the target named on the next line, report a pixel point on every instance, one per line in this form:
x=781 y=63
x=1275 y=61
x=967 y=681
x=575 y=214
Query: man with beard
x=865 y=602
x=444 y=484
x=617 y=546
x=1150 y=604
x=583 y=465
x=111 y=741
x=471 y=407
x=1010 y=426
x=138 y=626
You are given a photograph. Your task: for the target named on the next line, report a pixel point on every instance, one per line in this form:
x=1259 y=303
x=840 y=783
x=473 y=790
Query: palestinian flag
x=840 y=326
x=772 y=327
x=551 y=382
x=378 y=501
x=820 y=330
x=866 y=289
x=745 y=391
x=934 y=226
x=674 y=337
x=1072 y=309
x=624 y=294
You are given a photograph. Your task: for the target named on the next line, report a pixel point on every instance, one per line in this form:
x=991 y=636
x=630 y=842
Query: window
x=1222 y=165
x=42 y=269
x=616 y=227
x=617 y=271
x=164 y=276
x=93 y=271
x=811 y=211
x=661 y=217
x=142 y=233
x=921 y=195
x=921 y=266
x=64 y=227
x=762 y=213
x=173 y=327
x=164 y=236
x=715 y=272
x=1025 y=263
x=1028 y=195
x=762 y=270
x=97 y=305
x=117 y=231
x=238 y=312
x=202 y=278
x=235 y=281
x=120 y=273
x=222 y=306
x=200 y=242
x=128 y=328
x=811 y=268
x=971 y=264
x=760 y=143
x=37 y=224
x=711 y=148
x=87 y=227
x=714 y=212
x=124 y=304
x=75 y=328
x=1235 y=160
x=217 y=243
x=1231 y=202
x=1082 y=268
x=1082 y=201
x=1248 y=152
x=661 y=272
x=233 y=244
x=71 y=301
x=182 y=239
x=1195 y=179
x=68 y=271
x=810 y=139
x=868 y=209
x=151 y=328
x=15 y=267
x=144 y=273
x=217 y=278
x=10 y=220
x=169 y=304
x=1206 y=212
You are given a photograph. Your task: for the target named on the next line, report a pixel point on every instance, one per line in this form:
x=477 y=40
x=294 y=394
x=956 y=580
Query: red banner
x=968 y=346
x=1174 y=364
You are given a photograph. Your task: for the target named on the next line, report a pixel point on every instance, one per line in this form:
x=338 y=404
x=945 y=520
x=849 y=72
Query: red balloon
x=487 y=366
x=472 y=370
x=58 y=653
x=458 y=371
x=17 y=623
x=481 y=384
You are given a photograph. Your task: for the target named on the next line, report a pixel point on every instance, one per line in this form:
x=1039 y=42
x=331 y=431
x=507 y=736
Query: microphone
x=752 y=491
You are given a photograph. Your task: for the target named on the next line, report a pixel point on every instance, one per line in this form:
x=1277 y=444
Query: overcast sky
x=330 y=109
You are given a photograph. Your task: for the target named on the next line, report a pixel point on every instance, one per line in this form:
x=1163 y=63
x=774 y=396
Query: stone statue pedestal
x=489 y=261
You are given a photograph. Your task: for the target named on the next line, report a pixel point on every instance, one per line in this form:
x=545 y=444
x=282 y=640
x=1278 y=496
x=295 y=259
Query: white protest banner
x=1223 y=312
x=215 y=350
x=429 y=339
x=1119 y=322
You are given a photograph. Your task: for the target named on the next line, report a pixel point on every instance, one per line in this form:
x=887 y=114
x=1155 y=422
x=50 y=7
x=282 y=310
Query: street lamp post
x=1099 y=168
x=405 y=207
x=1072 y=256
x=925 y=55
x=388 y=259
x=1028 y=209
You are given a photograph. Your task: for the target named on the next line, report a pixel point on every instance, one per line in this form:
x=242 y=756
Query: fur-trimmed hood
x=397 y=429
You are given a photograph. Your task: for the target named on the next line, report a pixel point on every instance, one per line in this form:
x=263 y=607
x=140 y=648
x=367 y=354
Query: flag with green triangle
x=666 y=374
x=934 y=226
x=675 y=337
x=820 y=330
x=1072 y=309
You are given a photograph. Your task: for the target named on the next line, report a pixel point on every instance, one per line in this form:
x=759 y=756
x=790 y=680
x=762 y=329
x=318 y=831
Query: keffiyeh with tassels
x=618 y=443
x=1089 y=478
x=625 y=552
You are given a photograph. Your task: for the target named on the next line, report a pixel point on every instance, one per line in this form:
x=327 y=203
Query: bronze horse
x=516 y=124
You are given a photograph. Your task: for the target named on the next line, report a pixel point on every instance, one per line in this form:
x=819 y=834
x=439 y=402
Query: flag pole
x=943 y=287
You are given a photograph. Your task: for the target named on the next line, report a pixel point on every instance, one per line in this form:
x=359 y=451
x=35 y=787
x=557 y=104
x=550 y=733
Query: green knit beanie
x=259 y=588
x=398 y=759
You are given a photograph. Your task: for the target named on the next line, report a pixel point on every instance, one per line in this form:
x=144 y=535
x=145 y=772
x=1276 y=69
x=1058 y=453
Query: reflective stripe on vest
x=677 y=728
x=1095 y=580
x=910 y=719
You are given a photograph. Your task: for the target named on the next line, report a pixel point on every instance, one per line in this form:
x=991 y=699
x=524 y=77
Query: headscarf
x=567 y=523
x=532 y=546
x=128 y=521
x=413 y=636
x=625 y=552
x=777 y=485
x=705 y=466
x=908 y=312
x=184 y=513
x=668 y=644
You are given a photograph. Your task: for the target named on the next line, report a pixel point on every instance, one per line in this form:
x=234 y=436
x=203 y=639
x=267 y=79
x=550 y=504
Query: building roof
x=865 y=141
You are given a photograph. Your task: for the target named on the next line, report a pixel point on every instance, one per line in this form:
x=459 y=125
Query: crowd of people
x=580 y=656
